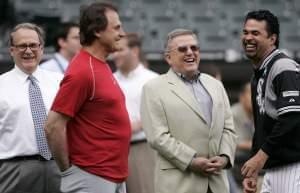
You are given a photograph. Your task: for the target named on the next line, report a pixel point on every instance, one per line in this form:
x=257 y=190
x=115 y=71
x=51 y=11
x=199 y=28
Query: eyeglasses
x=23 y=47
x=184 y=49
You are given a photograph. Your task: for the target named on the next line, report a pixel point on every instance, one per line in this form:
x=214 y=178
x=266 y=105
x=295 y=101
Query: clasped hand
x=211 y=166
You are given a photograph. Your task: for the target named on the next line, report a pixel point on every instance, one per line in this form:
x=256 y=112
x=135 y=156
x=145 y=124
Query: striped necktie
x=39 y=115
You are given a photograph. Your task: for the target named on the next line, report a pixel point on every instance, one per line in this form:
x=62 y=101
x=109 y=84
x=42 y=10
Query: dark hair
x=271 y=21
x=30 y=26
x=93 y=19
x=135 y=40
x=63 y=32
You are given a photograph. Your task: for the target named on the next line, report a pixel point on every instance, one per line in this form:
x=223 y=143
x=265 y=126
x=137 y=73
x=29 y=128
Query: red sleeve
x=74 y=91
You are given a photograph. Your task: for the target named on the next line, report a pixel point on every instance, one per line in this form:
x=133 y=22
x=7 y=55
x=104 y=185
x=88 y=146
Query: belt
x=26 y=157
x=138 y=141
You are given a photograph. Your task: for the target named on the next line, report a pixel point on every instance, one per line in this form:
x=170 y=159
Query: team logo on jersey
x=259 y=98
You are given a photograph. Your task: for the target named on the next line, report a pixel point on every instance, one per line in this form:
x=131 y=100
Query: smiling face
x=111 y=36
x=27 y=59
x=256 y=41
x=183 y=55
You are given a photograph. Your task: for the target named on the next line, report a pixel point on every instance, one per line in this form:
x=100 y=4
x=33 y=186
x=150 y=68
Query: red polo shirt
x=99 y=131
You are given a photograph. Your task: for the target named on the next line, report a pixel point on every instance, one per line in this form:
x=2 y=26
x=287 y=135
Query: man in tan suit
x=187 y=119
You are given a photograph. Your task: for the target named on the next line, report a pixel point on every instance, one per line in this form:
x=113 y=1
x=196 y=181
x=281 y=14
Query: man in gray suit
x=187 y=120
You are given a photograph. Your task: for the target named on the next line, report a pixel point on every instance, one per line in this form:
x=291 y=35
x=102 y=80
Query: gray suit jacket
x=175 y=127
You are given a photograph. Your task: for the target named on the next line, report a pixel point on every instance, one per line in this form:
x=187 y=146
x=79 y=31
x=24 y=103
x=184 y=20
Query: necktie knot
x=32 y=79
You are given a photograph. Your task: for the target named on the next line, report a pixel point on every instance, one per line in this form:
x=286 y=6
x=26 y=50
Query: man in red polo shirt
x=88 y=128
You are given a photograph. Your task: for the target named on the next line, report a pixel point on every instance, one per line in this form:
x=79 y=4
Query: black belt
x=26 y=157
x=138 y=141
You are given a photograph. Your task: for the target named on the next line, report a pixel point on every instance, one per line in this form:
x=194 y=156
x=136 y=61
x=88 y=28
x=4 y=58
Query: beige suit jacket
x=175 y=127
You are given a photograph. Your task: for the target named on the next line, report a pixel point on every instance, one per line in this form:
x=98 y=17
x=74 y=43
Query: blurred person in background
x=187 y=120
x=276 y=104
x=88 y=127
x=212 y=70
x=243 y=122
x=26 y=94
x=131 y=76
x=243 y=119
x=67 y=45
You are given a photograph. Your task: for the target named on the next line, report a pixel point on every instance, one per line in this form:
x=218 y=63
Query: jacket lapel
x=178 y=87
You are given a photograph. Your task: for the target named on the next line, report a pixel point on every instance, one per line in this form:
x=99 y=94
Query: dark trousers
x=29 y=176
x=208 y=190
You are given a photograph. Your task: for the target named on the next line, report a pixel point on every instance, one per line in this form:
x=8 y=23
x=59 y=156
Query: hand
x=254 y=165
x=64 y=168
x=199 y=165
x=216 y=164
x=249 y=185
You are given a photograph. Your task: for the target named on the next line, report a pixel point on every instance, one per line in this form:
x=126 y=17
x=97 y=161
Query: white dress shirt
x=57 y=64
x=132 y=86
x=17 y=134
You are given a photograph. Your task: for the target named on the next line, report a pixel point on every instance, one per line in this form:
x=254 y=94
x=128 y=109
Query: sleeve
x=73 y=92
x=286 y=88
x=229 y=138
x=280 y=132
x=158 y=134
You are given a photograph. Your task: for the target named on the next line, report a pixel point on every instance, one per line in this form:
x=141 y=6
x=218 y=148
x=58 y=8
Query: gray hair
x=175 y=33
x=30 y=26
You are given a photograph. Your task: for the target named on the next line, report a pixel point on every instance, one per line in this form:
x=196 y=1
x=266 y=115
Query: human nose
x=189 y=50
x=247 y=36
x=122 y=32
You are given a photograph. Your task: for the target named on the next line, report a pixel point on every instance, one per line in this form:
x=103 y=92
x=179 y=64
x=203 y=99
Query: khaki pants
x=76 y=180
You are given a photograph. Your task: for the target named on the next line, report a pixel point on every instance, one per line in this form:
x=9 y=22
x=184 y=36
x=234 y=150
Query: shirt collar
x=267 y=59
x=22 y=76
x=62 y=60
x=133 y=73
x=194 y=79
x=137 y=70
